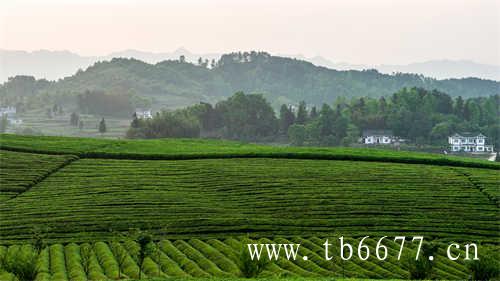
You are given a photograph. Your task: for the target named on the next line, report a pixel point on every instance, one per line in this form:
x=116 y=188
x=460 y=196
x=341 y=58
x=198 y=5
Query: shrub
x=422 y=267
x=486 y=268
x=22 y=262
x=251 y=268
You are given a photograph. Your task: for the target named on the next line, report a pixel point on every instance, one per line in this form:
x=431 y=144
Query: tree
x=4 y=123
x=459 y=107
x=247 y=117
x=182 y=59
x=213 y=64
x=297 y=134
x=301 y=113
x=102 y=126
x=73 y=119
x=314 y=113
x=286 y=118
x=326 y=119
x=135 y=121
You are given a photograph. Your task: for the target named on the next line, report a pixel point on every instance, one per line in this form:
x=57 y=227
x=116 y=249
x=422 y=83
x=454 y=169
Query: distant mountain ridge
x=439 y=69
x=54 y=65
x=173 y=83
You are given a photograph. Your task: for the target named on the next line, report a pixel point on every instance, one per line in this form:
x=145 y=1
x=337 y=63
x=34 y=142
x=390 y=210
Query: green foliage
x=100 y=103
x=287 y=118
x=422 y=268
x=249 y=72
x=102 y=126
x=251 y=268
x=221 y=258
x=247 y=117
x=417 y=115
x=297 y=134
x=487 y=267
x=165 y=125
x=21 y=261
x=4 y=123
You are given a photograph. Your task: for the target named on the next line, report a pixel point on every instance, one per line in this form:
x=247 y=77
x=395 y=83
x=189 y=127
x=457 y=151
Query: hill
x=282 y=80
x=54 y=65
x=200 y=197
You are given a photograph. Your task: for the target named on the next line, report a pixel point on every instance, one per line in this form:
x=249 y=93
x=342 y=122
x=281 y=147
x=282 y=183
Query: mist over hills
x=172 y=83
x=53 y=65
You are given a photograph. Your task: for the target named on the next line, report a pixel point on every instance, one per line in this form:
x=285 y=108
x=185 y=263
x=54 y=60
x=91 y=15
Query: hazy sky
x=368 y=32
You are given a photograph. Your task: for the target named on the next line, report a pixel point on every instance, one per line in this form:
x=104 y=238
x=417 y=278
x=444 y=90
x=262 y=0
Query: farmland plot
x=91 y=199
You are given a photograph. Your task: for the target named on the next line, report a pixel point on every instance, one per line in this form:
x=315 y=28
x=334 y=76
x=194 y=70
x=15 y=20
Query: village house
x=10 y=113
x=143 y=113
x=379 y=137
x=469 y=142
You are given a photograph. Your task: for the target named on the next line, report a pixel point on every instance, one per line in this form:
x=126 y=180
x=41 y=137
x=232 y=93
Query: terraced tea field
x=265 y=197
x=20 y=171
x=199 y=198
x=218 y=258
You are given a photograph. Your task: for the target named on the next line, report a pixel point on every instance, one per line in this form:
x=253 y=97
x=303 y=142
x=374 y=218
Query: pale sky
x=365 y=32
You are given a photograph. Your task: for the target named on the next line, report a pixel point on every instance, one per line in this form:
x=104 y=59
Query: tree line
x=418 y=115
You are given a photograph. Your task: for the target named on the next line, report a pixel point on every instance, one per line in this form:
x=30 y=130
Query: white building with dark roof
x=469 y=142
x=143 y=113
x=378 y=137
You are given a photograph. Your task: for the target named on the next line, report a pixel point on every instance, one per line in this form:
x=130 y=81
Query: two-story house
x=143 y=113
x=469 y=142
x=378 y=137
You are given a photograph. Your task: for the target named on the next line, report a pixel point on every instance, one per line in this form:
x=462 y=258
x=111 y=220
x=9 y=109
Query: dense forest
x=177 y=83
x=418 y=115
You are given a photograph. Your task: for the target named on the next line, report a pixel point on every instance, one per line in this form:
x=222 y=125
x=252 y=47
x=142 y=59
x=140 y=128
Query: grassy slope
x=201 y=148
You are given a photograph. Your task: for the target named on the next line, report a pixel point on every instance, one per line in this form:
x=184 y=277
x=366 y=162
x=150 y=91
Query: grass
x=202 y=148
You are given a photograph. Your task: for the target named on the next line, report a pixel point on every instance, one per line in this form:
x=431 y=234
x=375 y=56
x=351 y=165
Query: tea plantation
x=220 y=258
x=199 y=198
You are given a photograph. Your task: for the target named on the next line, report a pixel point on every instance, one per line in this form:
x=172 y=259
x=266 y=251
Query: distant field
x=59 y=125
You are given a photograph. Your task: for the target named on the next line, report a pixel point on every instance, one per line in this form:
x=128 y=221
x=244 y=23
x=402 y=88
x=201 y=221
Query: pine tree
x=3 y=123
x=102 y=126
x=301 y=113
x=135 y=121
x=314 y=113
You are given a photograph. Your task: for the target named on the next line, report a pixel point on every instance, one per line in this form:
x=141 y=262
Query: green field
x=198 y=198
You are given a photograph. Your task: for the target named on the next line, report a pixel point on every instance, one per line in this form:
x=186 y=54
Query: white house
x=143 y=113
x=378 y=137
x=10 y=113
x=469 y=142
x=8 y=110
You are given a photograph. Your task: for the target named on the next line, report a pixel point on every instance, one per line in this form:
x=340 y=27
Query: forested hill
x=282 y=80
